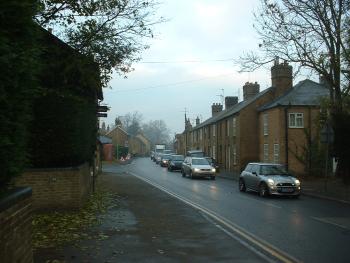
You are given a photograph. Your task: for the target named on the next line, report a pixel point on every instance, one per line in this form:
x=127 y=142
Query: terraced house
x=273 y=125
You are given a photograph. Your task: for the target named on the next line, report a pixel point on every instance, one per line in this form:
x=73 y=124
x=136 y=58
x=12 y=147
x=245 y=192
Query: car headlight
x=270 y=181
x=196 y=170
x=213 y=170
x=297 y=182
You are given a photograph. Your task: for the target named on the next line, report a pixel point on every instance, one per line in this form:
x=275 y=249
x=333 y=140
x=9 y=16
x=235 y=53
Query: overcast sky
x=197 y=30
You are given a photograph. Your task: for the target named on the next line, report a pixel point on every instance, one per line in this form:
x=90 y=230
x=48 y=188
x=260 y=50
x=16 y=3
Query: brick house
x=119 y=136
x=288 y=124
x=139 y=145
x=234 y=136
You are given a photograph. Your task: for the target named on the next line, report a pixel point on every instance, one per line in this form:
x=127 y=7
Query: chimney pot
x=230 y=101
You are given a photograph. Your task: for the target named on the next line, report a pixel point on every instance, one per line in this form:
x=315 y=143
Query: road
x=307 y=229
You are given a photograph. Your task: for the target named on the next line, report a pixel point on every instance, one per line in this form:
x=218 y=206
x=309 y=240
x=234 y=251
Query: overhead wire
x=171 y=84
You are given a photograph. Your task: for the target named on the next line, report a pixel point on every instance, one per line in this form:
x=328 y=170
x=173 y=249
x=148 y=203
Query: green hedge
x=121 y=151
x=63 y=131
x=18 y=86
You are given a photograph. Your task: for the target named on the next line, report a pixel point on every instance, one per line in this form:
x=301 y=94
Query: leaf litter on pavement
x=52 y=229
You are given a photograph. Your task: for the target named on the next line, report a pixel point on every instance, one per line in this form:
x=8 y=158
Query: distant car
x=152 y=155
x=158 y=158
x=269 y=179
x=213 y=163
x=195 y=153
x=175 y=162
x=164 y=160
x=197 y=167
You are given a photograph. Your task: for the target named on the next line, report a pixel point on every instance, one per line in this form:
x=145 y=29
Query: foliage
x=56 y=228
x=309 y=33
x=132 y=122
x=18 y=67
x=156 y=131
x=109 y=30
x=63 y=131
x=121 y=151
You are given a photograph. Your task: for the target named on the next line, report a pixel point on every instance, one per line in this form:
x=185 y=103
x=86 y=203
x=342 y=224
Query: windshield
x=177 y=158
x=200 y=162
x=272 y=170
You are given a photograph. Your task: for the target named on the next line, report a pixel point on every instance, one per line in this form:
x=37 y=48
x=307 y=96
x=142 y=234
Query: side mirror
x=254 y=173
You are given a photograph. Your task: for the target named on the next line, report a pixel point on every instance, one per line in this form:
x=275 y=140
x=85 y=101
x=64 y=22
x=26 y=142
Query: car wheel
x=241 y=185
x=263 y=190
x=212 y=177
x=183 y=173
x=191 y=175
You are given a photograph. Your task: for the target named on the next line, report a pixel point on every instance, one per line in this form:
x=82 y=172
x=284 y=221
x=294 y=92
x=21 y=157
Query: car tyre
x=241 y=185
x=183 y=173
x=212 y=177
x=263 y=190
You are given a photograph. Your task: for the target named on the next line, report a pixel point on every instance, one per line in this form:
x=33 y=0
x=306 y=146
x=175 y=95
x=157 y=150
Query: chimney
x=250 y=90
x=230 y=101
x=197 y=121
x=281 y=77
x=216 y=108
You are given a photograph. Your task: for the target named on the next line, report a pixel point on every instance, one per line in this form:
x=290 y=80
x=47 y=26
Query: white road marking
x=323 y=220
x=238 y=231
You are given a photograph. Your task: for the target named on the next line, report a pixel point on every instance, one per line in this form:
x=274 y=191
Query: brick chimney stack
x=281 y=77
x=250 y=90
x=216 y=108
x=197 y=121
x=230 y=101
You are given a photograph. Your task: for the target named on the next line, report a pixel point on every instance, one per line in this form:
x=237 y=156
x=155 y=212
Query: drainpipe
x=286 y=134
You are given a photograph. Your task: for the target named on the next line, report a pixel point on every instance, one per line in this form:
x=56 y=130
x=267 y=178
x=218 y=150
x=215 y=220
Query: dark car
x=175 y=162
x=213 y=163
x=195 y=153
x=164 y=160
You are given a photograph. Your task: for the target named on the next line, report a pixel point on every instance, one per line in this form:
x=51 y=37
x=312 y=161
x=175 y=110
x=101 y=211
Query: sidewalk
x=314 y=187
x=148 y=225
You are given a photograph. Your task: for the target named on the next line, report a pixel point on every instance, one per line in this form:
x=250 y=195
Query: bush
x=18 y=86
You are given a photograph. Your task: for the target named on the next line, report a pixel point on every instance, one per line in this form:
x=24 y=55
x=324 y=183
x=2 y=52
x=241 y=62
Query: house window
x=214 y=130
x=266 y=124
x=296 y=120
x=276 y=153
x=214 y=153
x=266 y=152
x=234 y=153
x=200 y=134
x=234 y=126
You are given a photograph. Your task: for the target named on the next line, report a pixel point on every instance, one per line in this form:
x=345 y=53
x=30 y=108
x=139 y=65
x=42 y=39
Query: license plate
x=287 y=190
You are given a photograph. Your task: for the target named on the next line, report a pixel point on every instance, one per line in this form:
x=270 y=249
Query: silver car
x=197 y=167
x=268 y=179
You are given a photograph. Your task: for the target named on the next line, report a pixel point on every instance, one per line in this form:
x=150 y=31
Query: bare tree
x=111 y=31
x=157 y=132
x=132 y=122
x=311 y=34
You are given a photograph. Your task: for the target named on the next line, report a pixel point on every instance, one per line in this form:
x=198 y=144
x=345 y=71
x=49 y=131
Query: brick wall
x=62 y=188
x=16 y=227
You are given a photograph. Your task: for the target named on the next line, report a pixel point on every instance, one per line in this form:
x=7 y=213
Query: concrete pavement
x=147 y=225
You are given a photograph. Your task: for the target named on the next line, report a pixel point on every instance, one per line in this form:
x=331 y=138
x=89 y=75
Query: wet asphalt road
x=309 y=229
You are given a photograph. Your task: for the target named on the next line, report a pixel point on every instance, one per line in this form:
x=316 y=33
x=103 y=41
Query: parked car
x=152 y=155
x=164 y=160
x=175 y=162
x=195 y=153
x=197 y=167
x=213 y=163
x=268 y=179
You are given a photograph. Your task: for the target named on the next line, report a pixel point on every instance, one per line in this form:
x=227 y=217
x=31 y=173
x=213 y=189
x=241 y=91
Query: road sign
x=102 y=108
x=102 y=115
